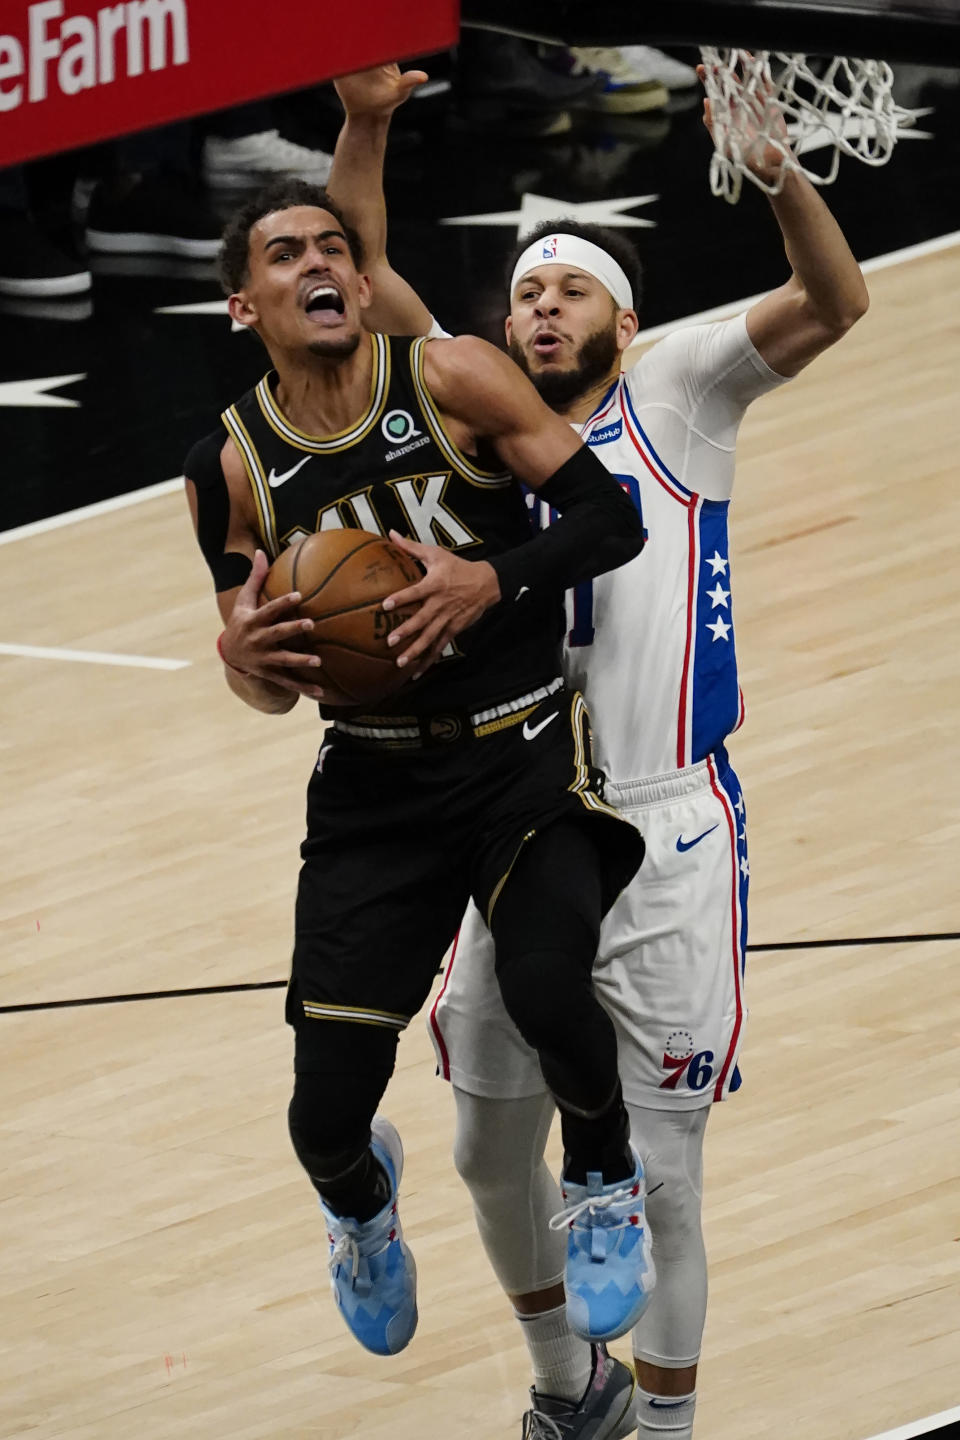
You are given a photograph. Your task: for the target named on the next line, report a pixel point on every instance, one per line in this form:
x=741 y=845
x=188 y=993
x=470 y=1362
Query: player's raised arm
x=258 y=666
x=826 y=292
x=369 y=99
x=599 y=528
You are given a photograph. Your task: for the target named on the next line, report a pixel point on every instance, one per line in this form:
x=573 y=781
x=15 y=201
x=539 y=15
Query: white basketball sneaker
x=251 y=160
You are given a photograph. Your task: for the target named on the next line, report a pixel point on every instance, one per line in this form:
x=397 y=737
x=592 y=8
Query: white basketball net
x=769 y=108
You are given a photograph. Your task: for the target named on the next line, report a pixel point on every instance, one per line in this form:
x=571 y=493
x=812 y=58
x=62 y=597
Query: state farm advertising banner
x=76 y=71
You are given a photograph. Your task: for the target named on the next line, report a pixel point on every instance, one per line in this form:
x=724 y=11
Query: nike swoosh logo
x=530 y=732
x=665 y=1404
x=689 y=844
x=273 y=479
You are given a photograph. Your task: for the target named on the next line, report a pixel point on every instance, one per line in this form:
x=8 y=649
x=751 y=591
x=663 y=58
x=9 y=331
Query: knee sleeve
x=331 y=1108
x=498 y=1153
x=670 y=1143
x=546 y=928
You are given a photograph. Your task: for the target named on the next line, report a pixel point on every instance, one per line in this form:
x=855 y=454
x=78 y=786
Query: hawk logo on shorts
x=695 y=1071
x=444 y=727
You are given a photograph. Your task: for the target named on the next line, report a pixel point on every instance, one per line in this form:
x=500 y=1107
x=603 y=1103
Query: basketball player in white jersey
x=653 y=647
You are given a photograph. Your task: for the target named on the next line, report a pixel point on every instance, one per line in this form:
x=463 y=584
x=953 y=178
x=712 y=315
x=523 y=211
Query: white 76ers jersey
x=652 y=644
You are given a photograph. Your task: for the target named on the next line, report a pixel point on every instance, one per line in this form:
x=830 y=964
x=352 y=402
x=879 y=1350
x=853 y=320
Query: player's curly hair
x=619 y=249
x=233 y=261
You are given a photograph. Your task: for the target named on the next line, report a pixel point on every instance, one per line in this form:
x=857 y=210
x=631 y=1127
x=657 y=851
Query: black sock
x=602 y=1144
x=361 y=1192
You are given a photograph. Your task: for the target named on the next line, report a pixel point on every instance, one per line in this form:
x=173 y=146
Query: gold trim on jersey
x=258 y=480
x=356 y=1014
x=495 y=893
x=343 y=439
x=580 y=726
x=487 y=479
x=492 y=726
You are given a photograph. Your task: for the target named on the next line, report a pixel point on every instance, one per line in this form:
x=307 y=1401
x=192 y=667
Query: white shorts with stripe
x=670 y=965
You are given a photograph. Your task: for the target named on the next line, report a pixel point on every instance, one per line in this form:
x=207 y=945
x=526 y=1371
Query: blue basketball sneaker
x=609 y=1275
x=372 y=1274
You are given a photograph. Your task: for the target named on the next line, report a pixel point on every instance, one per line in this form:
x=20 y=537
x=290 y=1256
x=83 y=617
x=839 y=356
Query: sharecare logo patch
x=80 y=52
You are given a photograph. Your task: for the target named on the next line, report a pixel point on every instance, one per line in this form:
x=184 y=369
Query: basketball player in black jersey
x=475 y=779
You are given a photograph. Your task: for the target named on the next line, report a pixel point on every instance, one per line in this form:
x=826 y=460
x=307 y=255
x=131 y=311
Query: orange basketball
x=343 y=577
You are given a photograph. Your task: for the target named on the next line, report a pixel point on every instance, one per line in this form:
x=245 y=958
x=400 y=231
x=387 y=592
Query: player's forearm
x=599 y=529
x=356 y=180
x=356 y=183
x=260 y=694
x=821 y=259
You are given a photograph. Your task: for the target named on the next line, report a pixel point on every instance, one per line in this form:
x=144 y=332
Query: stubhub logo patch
x=607 y=434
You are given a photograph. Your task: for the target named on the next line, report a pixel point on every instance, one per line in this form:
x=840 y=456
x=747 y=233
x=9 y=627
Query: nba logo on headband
x=550 y=248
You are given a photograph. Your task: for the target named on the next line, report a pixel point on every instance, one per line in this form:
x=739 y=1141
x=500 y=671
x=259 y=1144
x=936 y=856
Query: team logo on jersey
x=607 y=435
x=398 y=426
x=687 y=1068
x=549 y=251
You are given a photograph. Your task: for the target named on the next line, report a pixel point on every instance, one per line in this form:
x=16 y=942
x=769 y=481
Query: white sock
x=562 y=1362
x=666 y=1416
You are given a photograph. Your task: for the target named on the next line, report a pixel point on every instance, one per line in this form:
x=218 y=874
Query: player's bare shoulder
x=473 y=381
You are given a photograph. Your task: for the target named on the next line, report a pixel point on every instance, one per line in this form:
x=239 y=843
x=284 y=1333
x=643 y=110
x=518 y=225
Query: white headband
x=577 y=254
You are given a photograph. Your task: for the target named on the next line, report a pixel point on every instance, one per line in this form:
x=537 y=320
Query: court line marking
x=857 y=940
x=89 y=512
x=719 y=312
x=92 y=657
x=242 y=986
x=920 y=1427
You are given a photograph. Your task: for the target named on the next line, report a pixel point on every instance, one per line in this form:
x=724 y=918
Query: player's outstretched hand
x=452 y=595
x=379 y=90
x=760 y=121
x=256 y=636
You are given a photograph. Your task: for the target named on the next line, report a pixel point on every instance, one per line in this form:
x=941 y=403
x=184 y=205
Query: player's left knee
x=671 y=1143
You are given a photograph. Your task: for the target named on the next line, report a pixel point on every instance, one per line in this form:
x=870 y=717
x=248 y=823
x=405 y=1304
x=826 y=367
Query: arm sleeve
x=203 y=467
x=599 y=528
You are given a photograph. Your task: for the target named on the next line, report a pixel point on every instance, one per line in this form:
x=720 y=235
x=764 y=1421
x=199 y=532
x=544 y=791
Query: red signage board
x=76 y=71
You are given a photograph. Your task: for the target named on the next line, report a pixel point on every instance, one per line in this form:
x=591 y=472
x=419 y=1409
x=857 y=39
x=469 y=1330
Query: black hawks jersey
x=397 y=469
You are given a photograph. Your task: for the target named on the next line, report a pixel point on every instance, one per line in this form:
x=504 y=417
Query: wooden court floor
x=161 y=1258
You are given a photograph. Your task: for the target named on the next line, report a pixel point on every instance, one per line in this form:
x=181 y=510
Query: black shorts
x=405 y=823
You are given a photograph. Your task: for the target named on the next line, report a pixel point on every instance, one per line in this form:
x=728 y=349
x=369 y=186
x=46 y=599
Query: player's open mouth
x=547 y=345
x=324 y=305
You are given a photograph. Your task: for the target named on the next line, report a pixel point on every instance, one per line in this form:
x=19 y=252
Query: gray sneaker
x=606 y=1412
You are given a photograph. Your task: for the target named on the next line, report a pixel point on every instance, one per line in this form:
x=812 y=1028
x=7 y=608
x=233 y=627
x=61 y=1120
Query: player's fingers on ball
x=294 y=657
x=411 y=596
x=287 y=629
x=412 y=547
x=251 y=587
x=410 y=627
x=421 y=645
x=296 y=687
x=272 y=610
